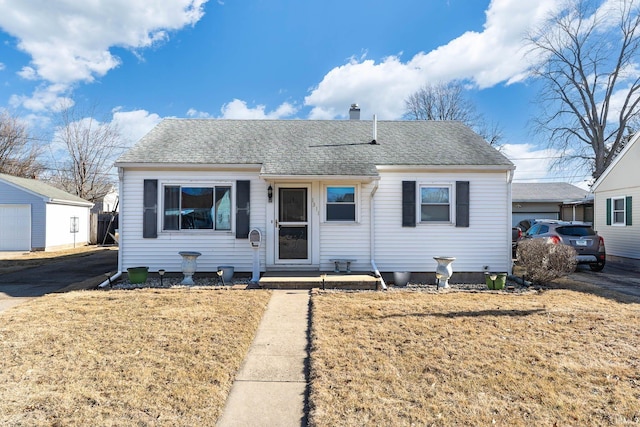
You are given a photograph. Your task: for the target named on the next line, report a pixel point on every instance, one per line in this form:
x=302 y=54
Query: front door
x=292 y=225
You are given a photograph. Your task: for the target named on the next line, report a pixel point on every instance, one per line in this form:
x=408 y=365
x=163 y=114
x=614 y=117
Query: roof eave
x=190 y=166
x=448 y=168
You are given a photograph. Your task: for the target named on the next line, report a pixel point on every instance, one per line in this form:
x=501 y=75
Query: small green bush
x=543 y=261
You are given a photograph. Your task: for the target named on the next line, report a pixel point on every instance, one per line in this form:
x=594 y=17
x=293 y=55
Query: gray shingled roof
x=313 y=147
x=43 y=189
x=546 y=192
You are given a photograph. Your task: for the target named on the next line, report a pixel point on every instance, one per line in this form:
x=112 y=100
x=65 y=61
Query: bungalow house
x=617 y=205
x=394 y=192
x=35 y=216
x=550 y=200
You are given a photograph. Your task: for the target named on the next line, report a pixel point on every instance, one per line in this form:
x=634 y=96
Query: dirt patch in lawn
x=555 y=357
x=144 y=357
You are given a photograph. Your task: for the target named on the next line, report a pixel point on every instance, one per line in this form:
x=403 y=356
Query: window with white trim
x=618 y=210
x=340 y=203
x=197 y=207
x=435 y=203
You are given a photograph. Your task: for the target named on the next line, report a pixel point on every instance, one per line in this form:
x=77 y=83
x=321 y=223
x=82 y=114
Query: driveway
x=614 y=277
x=83 y=270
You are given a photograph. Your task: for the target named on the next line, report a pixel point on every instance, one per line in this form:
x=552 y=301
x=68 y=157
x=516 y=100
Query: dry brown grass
x=123 y=358
x=556 y=357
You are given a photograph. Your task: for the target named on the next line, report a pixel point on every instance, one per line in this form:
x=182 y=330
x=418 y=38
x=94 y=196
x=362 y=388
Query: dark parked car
x=579 y=235
x=516 y=234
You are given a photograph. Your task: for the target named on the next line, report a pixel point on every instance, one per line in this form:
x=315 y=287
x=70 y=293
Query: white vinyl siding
x=217 y=248
x=350 y=240
x=59 y=226
x=619 y=240
x=486 y=242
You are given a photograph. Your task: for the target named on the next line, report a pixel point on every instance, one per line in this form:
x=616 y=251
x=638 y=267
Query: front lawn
x=556 y=357
x=124 y=358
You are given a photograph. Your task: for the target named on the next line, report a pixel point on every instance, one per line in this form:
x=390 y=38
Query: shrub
x=543 y=261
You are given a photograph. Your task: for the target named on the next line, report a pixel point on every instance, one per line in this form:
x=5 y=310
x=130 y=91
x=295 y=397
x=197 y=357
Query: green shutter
x=608 y=211
x=627 y=208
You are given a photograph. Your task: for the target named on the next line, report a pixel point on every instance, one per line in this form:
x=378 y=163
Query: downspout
x=510 y=175
x=372 y=237
x=120 y=217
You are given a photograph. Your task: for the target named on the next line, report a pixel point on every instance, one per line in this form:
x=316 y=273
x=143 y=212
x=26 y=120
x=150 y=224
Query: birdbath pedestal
x=189 y=266
x=444 y=270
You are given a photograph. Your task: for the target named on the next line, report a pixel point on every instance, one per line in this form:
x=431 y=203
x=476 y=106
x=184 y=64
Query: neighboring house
x=552 y=200
x=395 y=192
x=617 y=205
x=35 y=216
x=109 y=202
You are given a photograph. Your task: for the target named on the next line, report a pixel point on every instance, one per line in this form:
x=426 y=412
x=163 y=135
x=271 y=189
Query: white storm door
x=293 y=243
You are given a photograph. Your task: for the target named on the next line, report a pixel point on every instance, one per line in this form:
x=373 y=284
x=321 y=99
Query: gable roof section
x=615 y=161
x=313 y=147
x=49 y=192
x=546 y=192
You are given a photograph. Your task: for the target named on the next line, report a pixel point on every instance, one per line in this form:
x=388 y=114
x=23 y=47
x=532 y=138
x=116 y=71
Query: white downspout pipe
x=120 y=217
x=510 y=175
x=372 y=240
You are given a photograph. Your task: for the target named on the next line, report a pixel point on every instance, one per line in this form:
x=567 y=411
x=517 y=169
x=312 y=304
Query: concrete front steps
x=315 y=279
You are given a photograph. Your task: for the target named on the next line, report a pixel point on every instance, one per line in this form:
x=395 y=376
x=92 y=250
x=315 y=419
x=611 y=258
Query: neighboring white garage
x=36 y=216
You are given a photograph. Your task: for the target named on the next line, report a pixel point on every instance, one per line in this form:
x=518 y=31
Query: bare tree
x=447 y=101
x=589 y=69
x=19 y=152
x=89 y=146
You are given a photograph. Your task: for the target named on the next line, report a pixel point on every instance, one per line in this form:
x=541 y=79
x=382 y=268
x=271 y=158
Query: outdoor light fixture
x=221 y=272
x=161 y=274
x=109 y=278
x=270 y=193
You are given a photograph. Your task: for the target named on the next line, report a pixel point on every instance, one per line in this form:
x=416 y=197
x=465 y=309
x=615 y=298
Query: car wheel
x=598 y=266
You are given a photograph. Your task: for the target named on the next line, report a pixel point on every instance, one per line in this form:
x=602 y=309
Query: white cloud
x=2 y=66
x=133 y=125
x=44 y=98
x=534 y=164
x=237 y=109
x=69 y=42
x=486 y=58
x=192 y=112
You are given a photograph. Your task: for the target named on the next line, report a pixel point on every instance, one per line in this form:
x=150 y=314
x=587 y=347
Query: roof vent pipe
x=375 y=130
x=354 y=112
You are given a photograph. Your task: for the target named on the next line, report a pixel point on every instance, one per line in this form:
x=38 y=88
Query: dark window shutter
x=608 y=211
x=408 y=203
x=150 y=212
x=243 y=189
x=627 y=210
x=462 y=203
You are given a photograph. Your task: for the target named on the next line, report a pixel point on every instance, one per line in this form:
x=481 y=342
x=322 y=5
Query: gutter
x=372 y=237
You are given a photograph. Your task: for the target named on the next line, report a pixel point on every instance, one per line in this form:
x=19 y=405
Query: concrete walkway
x=271 y=386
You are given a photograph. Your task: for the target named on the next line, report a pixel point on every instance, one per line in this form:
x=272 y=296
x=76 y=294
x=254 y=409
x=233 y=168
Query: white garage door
x=15 y=227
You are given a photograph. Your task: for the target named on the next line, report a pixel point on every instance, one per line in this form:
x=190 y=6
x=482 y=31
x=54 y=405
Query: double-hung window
x=617 y=210
x=341 y=203
x=197 y=207
x=435 y=203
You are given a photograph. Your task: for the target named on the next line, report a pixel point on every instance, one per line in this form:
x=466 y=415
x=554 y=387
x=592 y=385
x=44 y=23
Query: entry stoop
x=313 y=279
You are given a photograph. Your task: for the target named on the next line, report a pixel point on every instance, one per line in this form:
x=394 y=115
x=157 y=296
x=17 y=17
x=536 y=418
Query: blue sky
x=143 y=60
